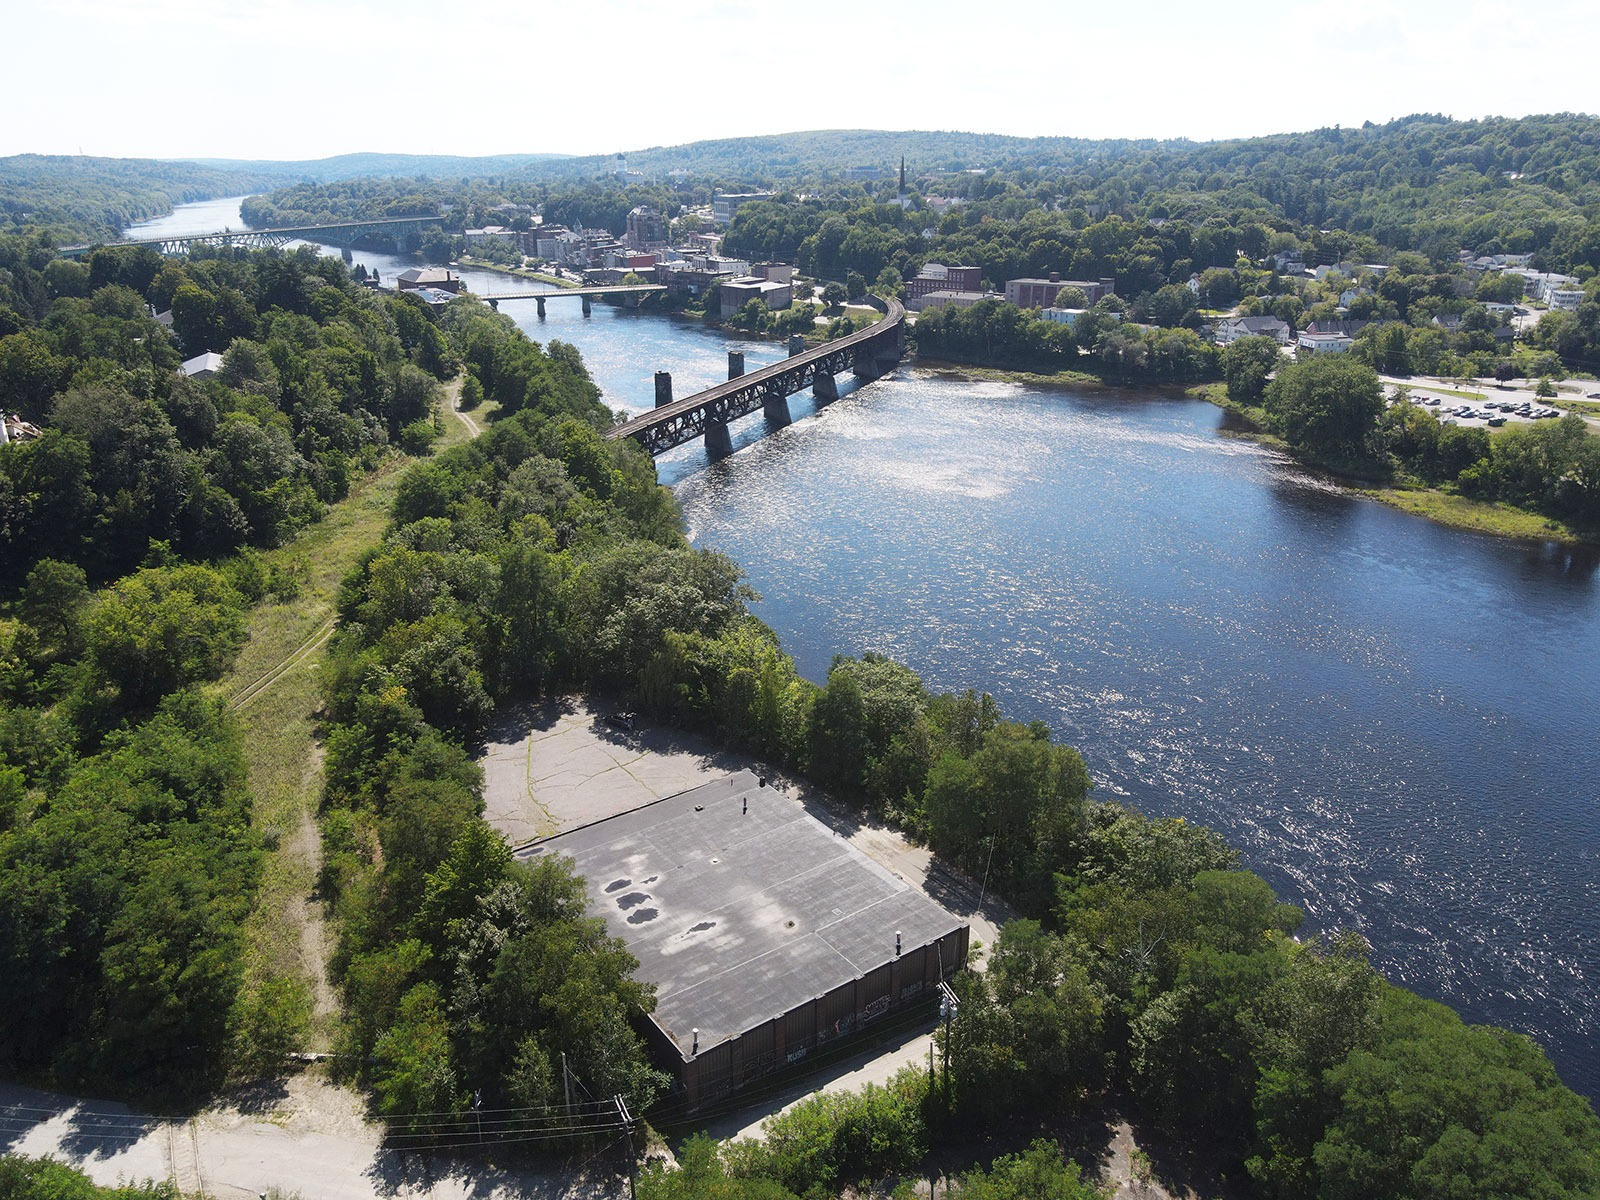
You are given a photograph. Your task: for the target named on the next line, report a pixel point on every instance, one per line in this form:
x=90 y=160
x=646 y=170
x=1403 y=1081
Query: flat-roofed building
x=767 y=936
x=725 y=205
x=428 y=277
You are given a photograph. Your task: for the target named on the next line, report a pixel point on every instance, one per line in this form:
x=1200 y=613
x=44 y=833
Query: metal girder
x=687 y=419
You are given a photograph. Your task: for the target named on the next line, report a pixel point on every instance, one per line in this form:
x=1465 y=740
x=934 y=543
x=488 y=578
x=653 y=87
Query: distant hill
x=376 y=165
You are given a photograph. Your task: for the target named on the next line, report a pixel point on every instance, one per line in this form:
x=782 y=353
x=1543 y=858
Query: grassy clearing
x=1502 y=520
x=284 y=649
x=466 y=260
x=947 y=370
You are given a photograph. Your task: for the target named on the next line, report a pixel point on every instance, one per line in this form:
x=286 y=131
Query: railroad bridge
x=344 y=234
x=867 y=353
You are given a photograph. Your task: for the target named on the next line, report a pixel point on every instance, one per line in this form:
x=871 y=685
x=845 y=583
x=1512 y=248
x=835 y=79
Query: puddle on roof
x=631 y=900
x=642 y=915
x=616 y=885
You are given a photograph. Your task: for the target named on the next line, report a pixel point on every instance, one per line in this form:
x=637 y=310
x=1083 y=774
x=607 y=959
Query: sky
x=293 y=79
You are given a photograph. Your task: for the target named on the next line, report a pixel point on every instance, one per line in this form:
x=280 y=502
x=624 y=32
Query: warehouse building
x=766 y=934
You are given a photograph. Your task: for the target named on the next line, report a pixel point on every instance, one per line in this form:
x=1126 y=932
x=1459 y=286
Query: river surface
x=1394 y=721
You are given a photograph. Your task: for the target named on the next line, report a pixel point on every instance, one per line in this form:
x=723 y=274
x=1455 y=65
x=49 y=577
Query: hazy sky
x=309 y=78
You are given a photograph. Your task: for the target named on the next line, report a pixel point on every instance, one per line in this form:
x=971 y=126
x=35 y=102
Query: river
x=1394 y=721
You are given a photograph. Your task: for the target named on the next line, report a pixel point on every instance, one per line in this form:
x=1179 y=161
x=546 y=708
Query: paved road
x=235 y=1155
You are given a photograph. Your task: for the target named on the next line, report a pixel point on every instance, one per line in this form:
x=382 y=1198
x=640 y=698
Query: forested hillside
x=128 y=857
x=82 y=197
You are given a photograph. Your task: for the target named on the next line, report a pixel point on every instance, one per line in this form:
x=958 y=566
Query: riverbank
x=1436 y=504
x=480 y=264
x=938 y=368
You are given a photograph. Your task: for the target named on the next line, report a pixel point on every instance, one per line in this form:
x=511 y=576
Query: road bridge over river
x=345 y=234
x=635 y=291
x=867 y=353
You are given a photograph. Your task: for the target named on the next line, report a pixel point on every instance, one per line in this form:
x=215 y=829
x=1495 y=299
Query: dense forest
x=128 y=859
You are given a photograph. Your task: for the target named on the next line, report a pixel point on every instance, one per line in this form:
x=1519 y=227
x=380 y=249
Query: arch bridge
x=867 y=353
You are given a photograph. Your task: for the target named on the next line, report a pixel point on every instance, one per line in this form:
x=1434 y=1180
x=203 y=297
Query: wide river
x=1394 y=721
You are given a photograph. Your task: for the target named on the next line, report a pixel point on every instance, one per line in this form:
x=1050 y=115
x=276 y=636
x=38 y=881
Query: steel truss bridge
x=867 y=353
x=345 y=234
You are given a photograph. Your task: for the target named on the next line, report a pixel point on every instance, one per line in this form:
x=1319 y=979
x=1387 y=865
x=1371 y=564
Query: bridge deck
x=596 y=290
x=660 y=416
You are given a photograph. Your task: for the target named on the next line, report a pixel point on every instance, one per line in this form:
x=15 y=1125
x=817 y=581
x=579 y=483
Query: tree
x=1246 y=364
x=162 y=629
x=1326 y=406
x=855 y=284
x=834 y=295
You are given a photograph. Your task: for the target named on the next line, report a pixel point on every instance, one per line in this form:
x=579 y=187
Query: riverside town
x=797 y=666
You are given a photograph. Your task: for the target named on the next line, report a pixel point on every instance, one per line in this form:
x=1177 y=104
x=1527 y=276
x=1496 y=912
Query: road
x=302 y=1136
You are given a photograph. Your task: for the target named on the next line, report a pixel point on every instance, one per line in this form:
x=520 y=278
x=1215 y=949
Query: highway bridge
x=345 y=234
x=587 y=294
x=867 y=353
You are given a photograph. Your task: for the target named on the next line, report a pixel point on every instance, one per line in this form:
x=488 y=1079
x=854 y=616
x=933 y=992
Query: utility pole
x=627 y=1133
x=948 y=1004
x=566 y=1084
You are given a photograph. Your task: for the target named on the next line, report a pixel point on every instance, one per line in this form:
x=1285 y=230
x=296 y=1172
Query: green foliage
x=163 y=629
x=1246 y=363
x=1038 y=1173
x=837 y=1138
x=120 y=933
x=23 y=1178
x=1326 y=406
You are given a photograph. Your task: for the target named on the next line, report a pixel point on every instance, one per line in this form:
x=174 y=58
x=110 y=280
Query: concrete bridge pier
x=587 y=305
x=718 y=443
x=539 y=300
x=825 y=388
x=663 y=388
x=797 y=344
x=735 y=363
x=775 y=404
x=865 y=367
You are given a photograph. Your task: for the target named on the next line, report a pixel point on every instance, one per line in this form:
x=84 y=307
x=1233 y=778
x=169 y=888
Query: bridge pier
x=718 y=443
x=865 y=367
x=587 y=305
x=797 y=344
x=663 y=388
x=775 y=404
x=735 y=363
x=539 y=300
x=825 y=388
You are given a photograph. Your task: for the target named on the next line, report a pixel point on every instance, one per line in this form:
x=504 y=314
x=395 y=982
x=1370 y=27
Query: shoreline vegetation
x=1443 y=507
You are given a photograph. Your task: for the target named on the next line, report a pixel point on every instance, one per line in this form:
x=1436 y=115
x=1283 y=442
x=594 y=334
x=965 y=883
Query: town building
x=777 y=272
x=202 y=366
x=1063 y=316
x=1564 y=299
x=725 y=204
x=863 y=174
x=1310 y=344
x=936 y=277
x=646 y=228
x=736 y=293
x=430 y=277
x=1234 y=328
x=1041 y=293
x=767 y=936
x=489 y=231
x=1348 y=328
x=949 y=299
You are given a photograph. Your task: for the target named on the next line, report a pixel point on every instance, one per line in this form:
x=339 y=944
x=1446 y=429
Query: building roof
x=740 y=905
x=423 y=276
x=208 y=363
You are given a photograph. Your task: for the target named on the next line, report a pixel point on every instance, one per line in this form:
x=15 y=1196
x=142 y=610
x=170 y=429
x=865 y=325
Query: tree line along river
x=1393 y=720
